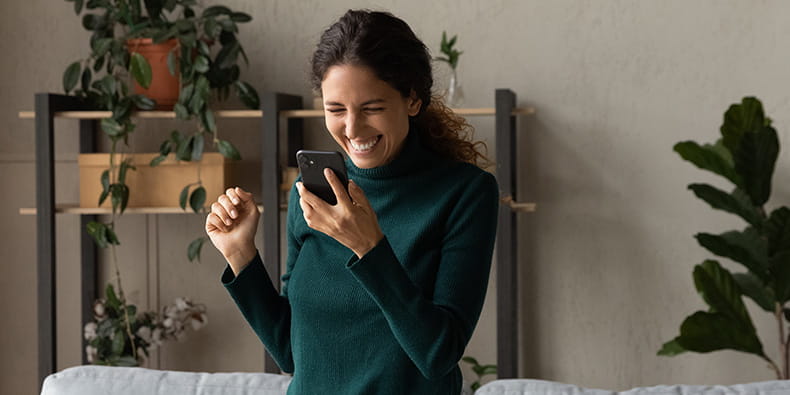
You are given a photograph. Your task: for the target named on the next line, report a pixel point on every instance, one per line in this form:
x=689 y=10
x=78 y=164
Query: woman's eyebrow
x=369 y=102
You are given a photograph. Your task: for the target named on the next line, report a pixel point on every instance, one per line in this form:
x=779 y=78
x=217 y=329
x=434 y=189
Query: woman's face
x=365 y=115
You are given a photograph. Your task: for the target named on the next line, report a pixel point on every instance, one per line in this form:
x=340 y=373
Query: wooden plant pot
x=164 y=87
x=158 y=186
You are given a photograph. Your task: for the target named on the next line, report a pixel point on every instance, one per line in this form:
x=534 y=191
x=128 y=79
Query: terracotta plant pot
x=164 y=86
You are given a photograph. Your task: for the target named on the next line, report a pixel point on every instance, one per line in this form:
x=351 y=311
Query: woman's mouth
x=366 y=145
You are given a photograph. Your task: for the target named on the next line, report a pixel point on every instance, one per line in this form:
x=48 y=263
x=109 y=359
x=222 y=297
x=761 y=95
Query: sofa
x=103 y=380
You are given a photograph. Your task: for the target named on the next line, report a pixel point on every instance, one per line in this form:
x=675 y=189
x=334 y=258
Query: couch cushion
x=95 y=380
x=540 y=387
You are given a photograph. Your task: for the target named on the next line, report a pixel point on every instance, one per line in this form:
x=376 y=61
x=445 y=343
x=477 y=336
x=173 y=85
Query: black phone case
x=312 y=165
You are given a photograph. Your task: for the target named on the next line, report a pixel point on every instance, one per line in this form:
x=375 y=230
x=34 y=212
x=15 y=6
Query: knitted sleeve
x=268 y=313
x=434 y=332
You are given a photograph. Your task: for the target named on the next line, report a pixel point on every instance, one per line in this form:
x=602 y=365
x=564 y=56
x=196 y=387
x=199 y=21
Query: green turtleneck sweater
x=397 y=320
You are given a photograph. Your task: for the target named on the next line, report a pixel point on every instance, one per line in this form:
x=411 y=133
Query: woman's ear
x=414 y=104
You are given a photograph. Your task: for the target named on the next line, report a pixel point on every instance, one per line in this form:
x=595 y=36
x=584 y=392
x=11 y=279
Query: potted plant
x=745 y=155
x=119 y=336
x=202 y=50
x=205 y=54
x=455 y=95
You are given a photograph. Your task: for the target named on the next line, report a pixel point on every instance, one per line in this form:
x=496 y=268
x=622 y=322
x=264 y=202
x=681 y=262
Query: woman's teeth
x=365 y=146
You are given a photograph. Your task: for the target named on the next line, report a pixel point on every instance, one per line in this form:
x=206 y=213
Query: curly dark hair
x=388 y=46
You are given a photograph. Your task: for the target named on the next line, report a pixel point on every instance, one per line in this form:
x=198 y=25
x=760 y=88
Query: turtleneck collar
x=412 y=156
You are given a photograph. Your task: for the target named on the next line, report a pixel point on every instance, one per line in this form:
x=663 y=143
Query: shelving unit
x=290 y=116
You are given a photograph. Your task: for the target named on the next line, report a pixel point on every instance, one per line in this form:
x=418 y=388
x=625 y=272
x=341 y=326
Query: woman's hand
x=352 y=221
x=231 y=226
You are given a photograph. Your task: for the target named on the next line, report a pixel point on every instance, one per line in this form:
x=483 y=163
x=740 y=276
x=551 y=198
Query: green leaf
x=193 y=251
x=78 y=6
x=228 y=150
x=125 y=166
x=197 y=148
x=705 y=332
x=777 y=229
x=707 y=158
x=228 y=25
x=71 y=76
x=101 y=46
x=730 y=245
x=164 y=148
x=240 y=17
x=212 y=28
x=753 y=287
x=98 y=63
x=227 y=55
x=181 y=111
x=86 y=79
x=201 y=64
x=208 y=121
x=157 y=160
x=182 y=198
x=112 y=238
x=720 y=291
x=489 y=369
x=746 y=117
x=118 y=341
x=140 y=70
x=470 y=360
x=105 y=180
x=248 y=95
x=143 y=102
x=98 y=231
x=216 y=10
x=184 y=151
x=671 y=348
x=197 y=199
x=755 y=158
x=736 y=203
x=112 y=300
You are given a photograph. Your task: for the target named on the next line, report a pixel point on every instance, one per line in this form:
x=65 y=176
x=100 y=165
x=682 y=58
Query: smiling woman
x=382 y=290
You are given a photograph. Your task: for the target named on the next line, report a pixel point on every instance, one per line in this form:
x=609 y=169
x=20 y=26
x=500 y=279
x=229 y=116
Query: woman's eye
x=336 y=110
x=374 y=109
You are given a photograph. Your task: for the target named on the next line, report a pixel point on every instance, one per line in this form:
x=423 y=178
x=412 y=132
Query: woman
x=382 y=291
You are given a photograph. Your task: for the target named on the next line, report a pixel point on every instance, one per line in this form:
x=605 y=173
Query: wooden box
x=158 y=186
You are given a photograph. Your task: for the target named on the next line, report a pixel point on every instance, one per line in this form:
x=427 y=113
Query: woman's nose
x=353 y=125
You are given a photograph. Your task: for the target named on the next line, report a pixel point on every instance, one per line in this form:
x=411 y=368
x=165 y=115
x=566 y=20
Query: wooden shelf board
x=247 y=113
x=72 y=209
x=142 y=114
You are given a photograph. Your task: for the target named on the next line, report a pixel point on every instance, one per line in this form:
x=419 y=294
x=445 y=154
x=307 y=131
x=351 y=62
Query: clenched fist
x=231 y=226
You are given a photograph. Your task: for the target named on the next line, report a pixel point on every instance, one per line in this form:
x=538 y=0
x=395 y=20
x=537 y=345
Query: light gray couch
x=100 y=380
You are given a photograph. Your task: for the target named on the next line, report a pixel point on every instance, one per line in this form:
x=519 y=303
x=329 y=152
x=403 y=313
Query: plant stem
x=774 y=367
x=782 y=342
x=123 y=302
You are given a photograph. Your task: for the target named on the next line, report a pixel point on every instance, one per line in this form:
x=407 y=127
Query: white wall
x=606 y=260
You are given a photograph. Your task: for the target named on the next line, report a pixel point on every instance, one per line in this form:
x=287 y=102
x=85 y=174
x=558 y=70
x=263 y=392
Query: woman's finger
x=337 y=187
x=233 y=196
x=214 y=222
x=310 y=198
x=242 y=194
x=357 y=194
x=228 y=205
x=221 y=213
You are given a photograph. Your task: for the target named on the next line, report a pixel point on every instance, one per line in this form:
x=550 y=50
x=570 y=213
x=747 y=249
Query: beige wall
x=606 y=260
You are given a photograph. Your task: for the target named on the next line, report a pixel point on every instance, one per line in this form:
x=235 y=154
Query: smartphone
x=312 y=165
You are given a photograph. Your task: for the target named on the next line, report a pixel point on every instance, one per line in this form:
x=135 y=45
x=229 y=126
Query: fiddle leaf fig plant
x=206 y=56
x=745 y=155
